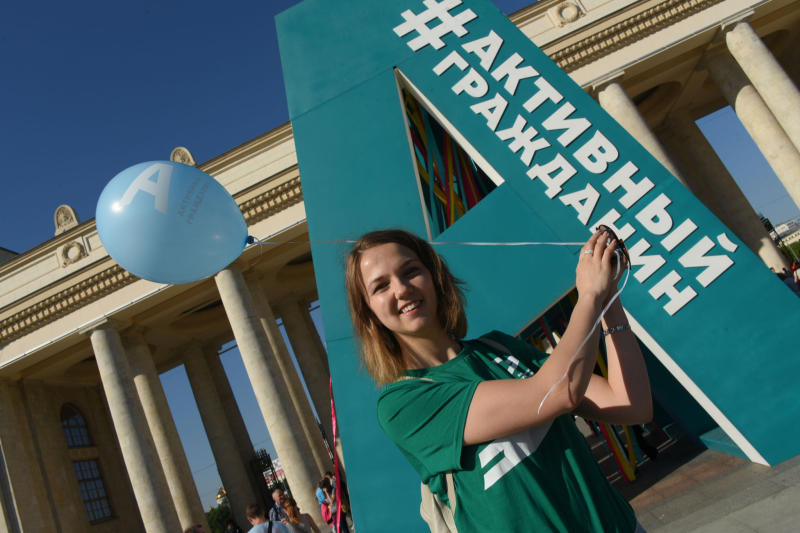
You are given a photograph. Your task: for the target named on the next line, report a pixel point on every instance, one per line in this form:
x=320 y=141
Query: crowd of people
x=284 y=515
x=791 y=278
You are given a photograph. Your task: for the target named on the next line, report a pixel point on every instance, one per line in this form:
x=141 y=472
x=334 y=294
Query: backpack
x=438 y=516
x=325 y=509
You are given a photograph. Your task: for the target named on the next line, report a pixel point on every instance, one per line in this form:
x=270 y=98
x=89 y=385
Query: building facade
x=87 y=442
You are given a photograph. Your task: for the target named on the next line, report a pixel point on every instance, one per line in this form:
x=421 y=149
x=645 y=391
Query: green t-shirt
x=543 y=478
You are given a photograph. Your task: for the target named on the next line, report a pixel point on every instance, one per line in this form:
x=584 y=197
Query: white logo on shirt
x=514 y=448
x=512 y=365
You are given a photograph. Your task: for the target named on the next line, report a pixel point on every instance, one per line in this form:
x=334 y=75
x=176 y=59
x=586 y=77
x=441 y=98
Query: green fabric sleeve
x=519 y=348
x=426 y=421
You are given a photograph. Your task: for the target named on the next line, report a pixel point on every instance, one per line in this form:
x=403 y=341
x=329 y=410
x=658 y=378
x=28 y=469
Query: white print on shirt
x=512 y=365
x=514 y=448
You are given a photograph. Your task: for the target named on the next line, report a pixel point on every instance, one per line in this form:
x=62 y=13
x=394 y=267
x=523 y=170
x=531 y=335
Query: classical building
x=87 y=442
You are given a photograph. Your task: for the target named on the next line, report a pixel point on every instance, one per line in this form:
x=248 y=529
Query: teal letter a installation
x=371 y=83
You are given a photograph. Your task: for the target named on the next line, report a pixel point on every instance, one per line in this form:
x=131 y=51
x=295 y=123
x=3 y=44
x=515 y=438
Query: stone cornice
x=247 y=150
x=272 y=201
x=627 y=31
x=113 y=278
x=64 y=302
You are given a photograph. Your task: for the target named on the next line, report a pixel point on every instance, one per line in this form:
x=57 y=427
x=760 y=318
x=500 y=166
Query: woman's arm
x=623 y=398
x=503 y=407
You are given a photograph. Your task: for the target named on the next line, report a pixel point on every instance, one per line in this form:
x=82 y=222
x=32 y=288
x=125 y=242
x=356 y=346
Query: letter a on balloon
x=158 y=188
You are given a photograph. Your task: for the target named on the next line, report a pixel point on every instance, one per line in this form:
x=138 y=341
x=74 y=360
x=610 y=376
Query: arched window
x=87 y=470
x=75 y=429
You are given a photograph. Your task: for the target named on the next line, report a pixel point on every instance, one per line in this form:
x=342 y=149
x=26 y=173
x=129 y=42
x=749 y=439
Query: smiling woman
x=452 y=406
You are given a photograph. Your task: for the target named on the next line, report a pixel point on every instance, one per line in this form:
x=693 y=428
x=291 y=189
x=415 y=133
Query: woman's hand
x=596 y=275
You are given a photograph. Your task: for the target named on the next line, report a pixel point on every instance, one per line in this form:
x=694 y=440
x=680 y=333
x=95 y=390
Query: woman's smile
x=399 y=289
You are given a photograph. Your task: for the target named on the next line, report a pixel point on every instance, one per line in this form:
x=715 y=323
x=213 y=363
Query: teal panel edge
x=357 y=174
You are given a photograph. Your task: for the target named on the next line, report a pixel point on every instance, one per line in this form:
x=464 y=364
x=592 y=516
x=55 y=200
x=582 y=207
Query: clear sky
x=90 y=88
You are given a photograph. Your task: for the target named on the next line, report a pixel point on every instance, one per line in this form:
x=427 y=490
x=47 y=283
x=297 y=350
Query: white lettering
x=583 y=201
x=546 y=92
x=677 y=299
x=553 y=183
x=678 y=235
x=654 y=216
x=509 y=68
x=715 y=264
x=485 y=48
x=453 y=58
x=596 y=154
x=491 y=109
x=649 y=263
x=609 y=219
x=633 y=191
x=523 y=139
x=560 y=120
x=159 y=188
x=472 y=83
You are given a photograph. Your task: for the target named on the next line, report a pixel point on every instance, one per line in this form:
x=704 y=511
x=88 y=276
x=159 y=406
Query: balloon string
x=261 y=243
x=588 y=335
x=251 y=240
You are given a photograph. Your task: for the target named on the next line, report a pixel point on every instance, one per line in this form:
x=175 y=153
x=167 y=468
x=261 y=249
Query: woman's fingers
x=600 y=245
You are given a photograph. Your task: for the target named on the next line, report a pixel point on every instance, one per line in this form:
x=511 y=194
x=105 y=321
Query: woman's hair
x=380 y=351
x=292 y=511
x=324 y=484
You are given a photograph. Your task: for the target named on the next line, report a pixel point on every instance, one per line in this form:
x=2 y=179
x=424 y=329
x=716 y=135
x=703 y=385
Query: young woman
x=298 y=522
x=517 y=459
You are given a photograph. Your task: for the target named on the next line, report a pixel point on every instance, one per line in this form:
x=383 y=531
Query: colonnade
x=768 y=104
x=154 y=458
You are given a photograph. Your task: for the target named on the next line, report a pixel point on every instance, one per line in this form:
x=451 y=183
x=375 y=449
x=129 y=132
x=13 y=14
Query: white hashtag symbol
x=433 y=36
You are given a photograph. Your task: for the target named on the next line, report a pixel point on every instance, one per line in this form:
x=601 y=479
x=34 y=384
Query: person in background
x=257 y=518
x=298 y=522
x=276 y=512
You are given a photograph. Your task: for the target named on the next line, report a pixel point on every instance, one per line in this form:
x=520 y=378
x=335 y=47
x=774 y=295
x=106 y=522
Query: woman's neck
x=424 y=352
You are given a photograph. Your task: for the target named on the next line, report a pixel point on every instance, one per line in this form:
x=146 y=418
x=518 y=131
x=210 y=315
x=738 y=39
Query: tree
x=218 y=516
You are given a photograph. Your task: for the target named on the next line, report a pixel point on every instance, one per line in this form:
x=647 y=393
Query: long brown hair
x=292 y=511
x=380 y=351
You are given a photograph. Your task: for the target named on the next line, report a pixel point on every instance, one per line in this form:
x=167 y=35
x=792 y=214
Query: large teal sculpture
x=710 y=311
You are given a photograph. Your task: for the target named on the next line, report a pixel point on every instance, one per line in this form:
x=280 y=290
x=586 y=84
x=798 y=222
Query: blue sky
x=90 y=88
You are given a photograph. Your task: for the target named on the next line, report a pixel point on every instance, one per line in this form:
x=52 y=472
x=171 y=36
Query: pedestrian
x=276 y=512
x=257 y=518
x=298 y=522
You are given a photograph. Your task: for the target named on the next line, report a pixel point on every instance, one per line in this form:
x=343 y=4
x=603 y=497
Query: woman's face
x=399 y=290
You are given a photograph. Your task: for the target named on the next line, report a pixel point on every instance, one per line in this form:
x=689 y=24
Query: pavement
x=690 y=488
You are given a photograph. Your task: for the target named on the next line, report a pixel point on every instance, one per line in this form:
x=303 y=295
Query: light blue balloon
x=169 y=222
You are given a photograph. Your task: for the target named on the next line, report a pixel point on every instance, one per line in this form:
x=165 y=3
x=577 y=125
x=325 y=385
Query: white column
x=313 y=441
x=232 y=470
x=315 y=374
x=270 y=390
x=231 y=409
x=24 y=493
x=759 y=122
x=165 y=434
x=138 y=450
x=767 y=76
x=316 y=341
x=617 y=103
x=709 y=179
